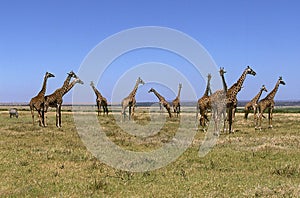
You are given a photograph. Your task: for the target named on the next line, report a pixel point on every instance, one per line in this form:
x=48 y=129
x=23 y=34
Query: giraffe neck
x=256 y=98
x=133 y=92
x=70 y=86
x=64 y=89
x=160 y=98
x=238 y=85
x=178 y=94
x=98 y=94
x=271 y=95
x=43 y=90
x=67 y=81
x=224 y=83
x=207 y=90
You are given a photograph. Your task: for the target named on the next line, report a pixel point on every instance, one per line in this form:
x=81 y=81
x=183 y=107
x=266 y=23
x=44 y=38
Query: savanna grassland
x=52 y=162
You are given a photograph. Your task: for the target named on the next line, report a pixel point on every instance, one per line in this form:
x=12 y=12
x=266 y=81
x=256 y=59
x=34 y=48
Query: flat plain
x=52 y=162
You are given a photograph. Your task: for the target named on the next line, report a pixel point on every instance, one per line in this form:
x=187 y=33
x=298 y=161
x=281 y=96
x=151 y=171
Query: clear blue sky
x=56 y=36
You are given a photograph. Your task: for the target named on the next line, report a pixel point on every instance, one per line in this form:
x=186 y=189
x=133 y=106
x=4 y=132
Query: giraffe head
x=222 y=71
x=281 y=81
x=77 y=80
x=250 y=71
x=49 y=75
x=263 y=88
x=151 y=90
x=140 y=81
x=209 y=76
x=92 y=83
x=72 y=74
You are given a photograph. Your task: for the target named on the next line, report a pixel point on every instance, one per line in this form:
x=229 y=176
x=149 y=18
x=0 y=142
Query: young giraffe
x=176 y=102
x=231 y=96
x=162 y=101
x=253 y=103
x=130 y=101
x=203 y=104
x=55 y=99
x=218 y=103
x=37 y=102
x=100 y=100
x=268 y=103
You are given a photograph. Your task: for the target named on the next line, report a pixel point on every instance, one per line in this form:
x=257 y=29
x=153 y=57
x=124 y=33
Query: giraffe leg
x=233 y=118
x=40 y=118
x=246 y=113
x=270 y=117
x=103 y=107
x=260 y=119
x=59 y=118
x=169 y=111
x=129 y=113
x=43 y=117
x=98 y=108
x=254 y=113
x=230 y=119
x=123 y=114
x=106 y=109
x=132 y=111
x=32 y=115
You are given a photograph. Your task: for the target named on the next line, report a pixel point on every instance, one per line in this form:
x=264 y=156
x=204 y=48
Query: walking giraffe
x=100 y=100
x=176 y=101
x=231 y=94
x=55 y=99
x=253 y=103
x=268 y=103
x=37 y=102
x=218 y=103
x=162 y=101
x=203 y=104
x=130 y=101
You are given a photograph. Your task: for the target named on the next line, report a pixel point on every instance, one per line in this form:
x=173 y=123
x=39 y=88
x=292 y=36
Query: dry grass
x=46 y=162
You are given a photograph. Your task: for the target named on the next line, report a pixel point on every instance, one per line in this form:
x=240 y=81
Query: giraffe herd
x=222 y=103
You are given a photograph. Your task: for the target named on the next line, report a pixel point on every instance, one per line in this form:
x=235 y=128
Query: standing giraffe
x=162 y=101
x=218 y=102
x=55 y=99
x=203 y=104
x=176 y=101
x=253 y=103
x=130 y=101
x=37 y=102
x=231 y=96
x=100 y=100
x=268 y=103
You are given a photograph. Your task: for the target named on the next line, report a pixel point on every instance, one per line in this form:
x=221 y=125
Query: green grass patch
x=52 y=162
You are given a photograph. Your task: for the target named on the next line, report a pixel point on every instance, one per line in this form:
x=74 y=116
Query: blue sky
x=56 y=36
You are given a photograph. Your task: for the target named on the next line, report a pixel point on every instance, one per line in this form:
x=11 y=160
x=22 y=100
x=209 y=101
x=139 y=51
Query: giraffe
x=253 y=103
x=100 y=101
x=203 y=103
x=218 y=102
x=37 y=102
x=231 y=94
x=130 y=101
x=162 y=101
x=268 y=103
x=55 y=99
x=176 y=101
